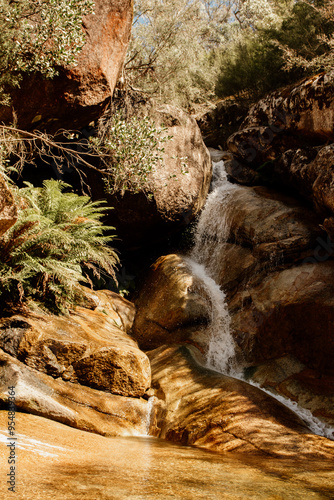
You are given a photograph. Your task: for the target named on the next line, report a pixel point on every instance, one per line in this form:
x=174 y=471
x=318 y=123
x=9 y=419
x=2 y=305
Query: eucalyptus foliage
x=131 y=148
x=172 y=52
x=57 y=239
x=39 y=35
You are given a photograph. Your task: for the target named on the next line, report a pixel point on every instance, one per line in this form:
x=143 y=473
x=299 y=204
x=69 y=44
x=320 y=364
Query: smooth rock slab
x=204 y=408
x=55 y=461
x=71 y=404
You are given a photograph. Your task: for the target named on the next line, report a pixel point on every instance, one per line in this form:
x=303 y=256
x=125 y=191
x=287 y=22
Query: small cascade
x=211 y=235
x=150 y=407
x=221 y=353
x=214 y=224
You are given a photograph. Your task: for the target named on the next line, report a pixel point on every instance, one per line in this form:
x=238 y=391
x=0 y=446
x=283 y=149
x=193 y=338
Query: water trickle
x=150 y=407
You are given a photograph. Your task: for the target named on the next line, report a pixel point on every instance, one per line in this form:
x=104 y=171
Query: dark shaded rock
x=289 y=312
x=220 y=122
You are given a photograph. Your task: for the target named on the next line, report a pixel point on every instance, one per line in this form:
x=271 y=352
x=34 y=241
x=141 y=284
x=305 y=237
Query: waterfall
x=211 y=235
x=150 y=408
x=213 y=226
x=214 y=223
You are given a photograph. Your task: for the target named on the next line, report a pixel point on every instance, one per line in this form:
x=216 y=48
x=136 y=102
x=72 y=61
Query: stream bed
x=59 y=462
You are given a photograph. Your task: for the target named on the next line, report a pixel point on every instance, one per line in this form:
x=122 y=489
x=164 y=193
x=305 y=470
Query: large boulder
x=78 y=94
x=292 y=118
x=251 y=232
x=309 y=173
x=88 y=348
x=172 y=304
x=203 y=408
x=306 y=109
x=175 y=191
x=289 y=312
x=8 y=209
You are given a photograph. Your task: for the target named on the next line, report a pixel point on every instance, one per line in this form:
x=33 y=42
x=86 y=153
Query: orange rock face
x=78 y=94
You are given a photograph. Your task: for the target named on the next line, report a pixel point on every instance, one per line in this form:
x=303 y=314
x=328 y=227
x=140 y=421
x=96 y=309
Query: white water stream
x=211 y=236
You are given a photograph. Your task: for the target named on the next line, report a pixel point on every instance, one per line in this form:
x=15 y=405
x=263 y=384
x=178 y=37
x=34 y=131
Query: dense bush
x=263 y=59
x=57 y=240
x=38 y=36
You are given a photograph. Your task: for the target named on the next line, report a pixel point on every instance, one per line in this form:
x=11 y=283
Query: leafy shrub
x=251 y=69
x=267 y=58
x=131 y=148
x=56 y=238
x=38 y=36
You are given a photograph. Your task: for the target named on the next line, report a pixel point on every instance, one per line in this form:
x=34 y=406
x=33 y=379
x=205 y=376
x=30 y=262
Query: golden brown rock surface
x=71 y=404
x=87 y=348
x=55 y=461
x=210 y=410
x=290 y=378
x=171 y=305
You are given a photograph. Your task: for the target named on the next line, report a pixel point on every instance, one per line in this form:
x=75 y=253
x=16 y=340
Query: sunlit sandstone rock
x=88 y=348
x=70 y=403
x=172 y=304
x=56 y=461
x=204 y=408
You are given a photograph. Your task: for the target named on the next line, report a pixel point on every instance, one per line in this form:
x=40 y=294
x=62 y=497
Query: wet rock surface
x=210 y=410
x=291 y=379
x=59 y=462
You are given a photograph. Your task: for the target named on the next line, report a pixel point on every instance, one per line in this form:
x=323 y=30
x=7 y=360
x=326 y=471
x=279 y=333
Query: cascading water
x=211 y=235
x=213 y=227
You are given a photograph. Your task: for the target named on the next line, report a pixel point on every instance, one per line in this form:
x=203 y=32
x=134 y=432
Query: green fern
x=57 y=237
